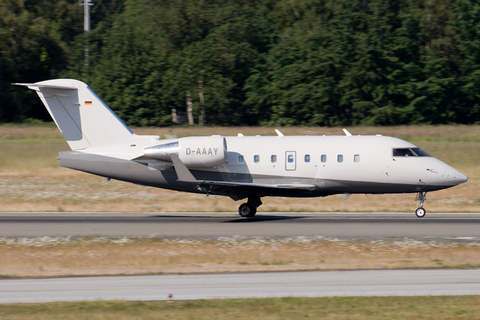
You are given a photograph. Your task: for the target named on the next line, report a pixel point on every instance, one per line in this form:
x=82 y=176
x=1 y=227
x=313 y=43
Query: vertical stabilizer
x=82 y=117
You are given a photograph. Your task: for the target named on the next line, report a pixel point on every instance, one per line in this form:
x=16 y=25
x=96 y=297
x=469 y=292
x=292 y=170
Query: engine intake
x=194 y=152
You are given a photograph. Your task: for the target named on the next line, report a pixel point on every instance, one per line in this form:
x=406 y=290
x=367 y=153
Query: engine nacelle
x=194 y=152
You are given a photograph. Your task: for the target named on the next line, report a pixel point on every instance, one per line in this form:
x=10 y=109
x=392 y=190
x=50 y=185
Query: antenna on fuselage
x=348 y=134
x=279 y=133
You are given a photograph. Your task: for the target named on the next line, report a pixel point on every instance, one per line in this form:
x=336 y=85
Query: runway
x=246 y=285
x=435 y=226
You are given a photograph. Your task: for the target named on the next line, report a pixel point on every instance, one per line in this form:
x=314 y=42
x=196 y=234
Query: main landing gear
x=421 y=197
x=249 y=209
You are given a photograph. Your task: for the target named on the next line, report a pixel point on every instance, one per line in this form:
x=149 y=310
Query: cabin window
x=307 y=158
x=240 y=159
x=273 y=158
x=290 y=158
x=323 y=158
x=340 y=158
x=256 y=158
x=356 y=158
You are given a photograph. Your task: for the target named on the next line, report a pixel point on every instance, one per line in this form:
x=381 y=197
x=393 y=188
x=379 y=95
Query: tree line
x=250 y=62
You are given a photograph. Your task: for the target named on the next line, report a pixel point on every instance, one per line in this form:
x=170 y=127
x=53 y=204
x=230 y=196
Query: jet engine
x=194 y=152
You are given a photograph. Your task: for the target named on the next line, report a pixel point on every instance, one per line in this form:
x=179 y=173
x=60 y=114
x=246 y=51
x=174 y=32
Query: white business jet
x=239 y=167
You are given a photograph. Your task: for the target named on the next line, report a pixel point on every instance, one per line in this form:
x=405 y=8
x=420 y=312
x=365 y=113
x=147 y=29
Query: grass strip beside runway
x=31 y=180
x=372 y=308
x=57 y=256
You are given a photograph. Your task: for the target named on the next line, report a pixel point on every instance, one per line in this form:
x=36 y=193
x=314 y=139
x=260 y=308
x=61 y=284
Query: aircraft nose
x=455 y=177
x=459 y=177
x=446 y=175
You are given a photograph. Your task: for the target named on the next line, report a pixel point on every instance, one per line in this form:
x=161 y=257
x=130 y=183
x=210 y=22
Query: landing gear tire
x=421 y=197
x=247 y=210
x=420 y=212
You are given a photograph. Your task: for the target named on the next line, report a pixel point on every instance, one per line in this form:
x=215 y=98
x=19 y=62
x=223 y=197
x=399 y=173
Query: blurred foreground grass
x=372 y=308
x=31 y=180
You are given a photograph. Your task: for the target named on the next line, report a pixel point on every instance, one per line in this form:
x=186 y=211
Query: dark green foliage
x=467 y=30
x=357 y=62
x=31 y=49
x=301 y=62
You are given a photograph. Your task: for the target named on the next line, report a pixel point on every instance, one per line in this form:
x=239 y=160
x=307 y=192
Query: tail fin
x=82 y=117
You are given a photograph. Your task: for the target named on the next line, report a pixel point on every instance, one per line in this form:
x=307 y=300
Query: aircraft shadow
x=261 y=218
x=176 y=217
x=257 y=218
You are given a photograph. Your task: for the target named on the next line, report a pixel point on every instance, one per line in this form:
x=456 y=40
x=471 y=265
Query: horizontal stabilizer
x=33 y=85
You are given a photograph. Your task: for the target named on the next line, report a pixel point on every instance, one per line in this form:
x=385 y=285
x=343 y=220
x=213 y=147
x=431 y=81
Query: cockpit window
x=403 y=152
x=409 y=152
x=419 y=152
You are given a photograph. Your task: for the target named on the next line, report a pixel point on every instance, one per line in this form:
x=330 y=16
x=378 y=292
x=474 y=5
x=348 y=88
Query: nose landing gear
x=421 y=197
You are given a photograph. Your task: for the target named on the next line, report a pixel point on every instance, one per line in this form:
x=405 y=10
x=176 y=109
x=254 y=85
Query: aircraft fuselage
x=330 y=164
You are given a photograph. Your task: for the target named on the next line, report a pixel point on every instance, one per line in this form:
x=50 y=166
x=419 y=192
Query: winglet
x=279 y=133
x=348 y=134
x=182 y=171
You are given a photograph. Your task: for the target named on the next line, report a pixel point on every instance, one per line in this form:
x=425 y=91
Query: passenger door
x=290 y=160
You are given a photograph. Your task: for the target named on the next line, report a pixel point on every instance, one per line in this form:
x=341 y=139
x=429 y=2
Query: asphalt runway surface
x=245 y=285
x=435 y=226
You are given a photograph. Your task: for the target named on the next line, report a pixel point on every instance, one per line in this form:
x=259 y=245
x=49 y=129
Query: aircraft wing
x=185 y=175
x=259 y=185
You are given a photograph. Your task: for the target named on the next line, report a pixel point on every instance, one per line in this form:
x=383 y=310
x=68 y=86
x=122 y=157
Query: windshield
x=409 y=152
x=420 y=153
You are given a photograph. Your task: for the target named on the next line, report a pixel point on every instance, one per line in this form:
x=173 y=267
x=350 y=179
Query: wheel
x=247 y=210
x=420 y=212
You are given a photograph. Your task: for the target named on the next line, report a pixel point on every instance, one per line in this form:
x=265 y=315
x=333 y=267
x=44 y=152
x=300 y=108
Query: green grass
x=29 y=124
x=24 y=146
x=372 y=308
x=461 y=155
x=25 y=154
x=29 y=167
x=41 y=152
